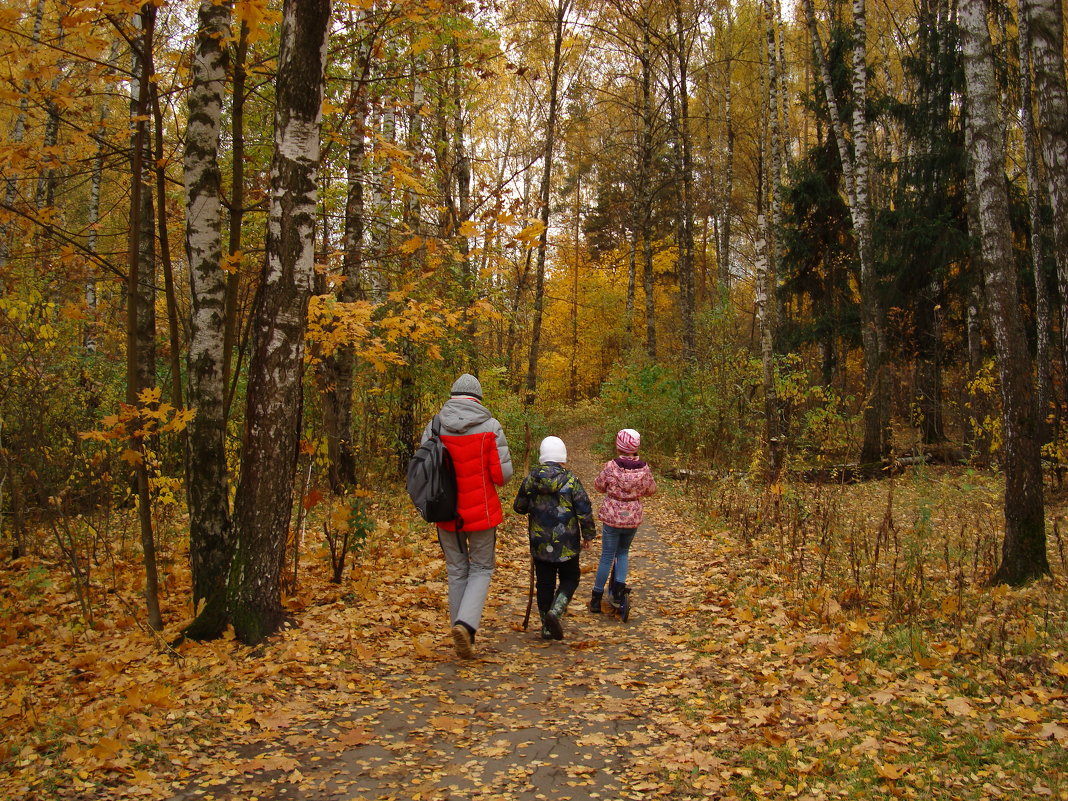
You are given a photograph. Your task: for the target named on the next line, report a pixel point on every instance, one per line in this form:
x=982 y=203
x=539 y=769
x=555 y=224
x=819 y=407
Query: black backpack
x=432 y=480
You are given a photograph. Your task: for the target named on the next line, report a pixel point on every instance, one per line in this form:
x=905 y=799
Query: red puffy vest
x=478 y=473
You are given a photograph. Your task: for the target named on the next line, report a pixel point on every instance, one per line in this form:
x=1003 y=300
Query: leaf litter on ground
x=750 y=673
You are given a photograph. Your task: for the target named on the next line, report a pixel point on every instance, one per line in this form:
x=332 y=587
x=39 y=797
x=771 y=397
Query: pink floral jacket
x=624 y=481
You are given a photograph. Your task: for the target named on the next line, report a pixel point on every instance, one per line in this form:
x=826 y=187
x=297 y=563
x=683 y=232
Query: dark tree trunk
x=928 y=364
x=140 y=321
x=644 y=192
x=545 y=197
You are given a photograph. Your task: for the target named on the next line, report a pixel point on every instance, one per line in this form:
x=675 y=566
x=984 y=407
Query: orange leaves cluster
x=379 y=335
x=138 y=423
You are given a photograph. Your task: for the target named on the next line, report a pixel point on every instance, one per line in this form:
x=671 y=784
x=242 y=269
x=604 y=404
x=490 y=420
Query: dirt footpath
x=582 y=718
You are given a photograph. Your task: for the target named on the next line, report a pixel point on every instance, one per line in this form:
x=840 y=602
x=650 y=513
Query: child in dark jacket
x=561 y=525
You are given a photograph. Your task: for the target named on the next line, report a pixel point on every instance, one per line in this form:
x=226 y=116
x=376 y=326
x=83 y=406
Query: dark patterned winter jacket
x=559 y=509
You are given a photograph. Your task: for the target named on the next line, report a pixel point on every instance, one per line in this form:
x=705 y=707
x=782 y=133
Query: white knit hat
x=553 y=449
x=467 y=384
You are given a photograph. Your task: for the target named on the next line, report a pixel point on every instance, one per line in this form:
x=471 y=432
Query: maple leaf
x=531 y=232
x=890 y=771
x=269 y=762
x=407 y=180
x=1053 y=731
x=960 y=707
x=312 y=499
x=106 y=748
x=132 y=457
x=411 y=245
x=449 y=724
x=358 y=736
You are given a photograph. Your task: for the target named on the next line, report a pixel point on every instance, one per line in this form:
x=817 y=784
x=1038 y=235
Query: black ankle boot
x=595 y=602
x=546 y=632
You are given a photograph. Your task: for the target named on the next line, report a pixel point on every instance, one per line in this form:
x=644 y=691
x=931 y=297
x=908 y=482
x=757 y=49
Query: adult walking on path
x=479 y=450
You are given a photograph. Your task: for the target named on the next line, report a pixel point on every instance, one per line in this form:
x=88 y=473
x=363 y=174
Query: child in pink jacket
x=625 y=481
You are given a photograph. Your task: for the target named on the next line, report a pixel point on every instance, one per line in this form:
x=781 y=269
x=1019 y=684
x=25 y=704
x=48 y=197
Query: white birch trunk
x=769 y=255
x=275 y=399
x=1024 y=548
x=1044 y=20
x=210 y=544
x=1043 y=306
x=727 y=209
x=855 y=174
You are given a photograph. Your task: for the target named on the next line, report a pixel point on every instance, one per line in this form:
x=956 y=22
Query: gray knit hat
x=467 y=384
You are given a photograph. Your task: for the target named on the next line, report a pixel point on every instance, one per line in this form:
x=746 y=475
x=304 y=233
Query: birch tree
x=338 y=367
x=210 y=543
x=1043 y=305
x=855 y=172
x=1044 y=22
x=768 y=257
x=682 y=45
x=1024 y=550
x=264 y=495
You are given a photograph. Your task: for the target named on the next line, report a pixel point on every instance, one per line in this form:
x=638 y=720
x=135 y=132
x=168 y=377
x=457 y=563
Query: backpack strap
x=435 y=429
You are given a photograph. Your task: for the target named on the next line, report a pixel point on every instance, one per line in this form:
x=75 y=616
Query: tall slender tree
x=140 y=287
x=1044 y=20
x=682 y=46
x=560 y=12
x=1024 y=550
x=769 y=251
x=856 y=175
x=263 y=503
x=210 y=542
x=1043 y=301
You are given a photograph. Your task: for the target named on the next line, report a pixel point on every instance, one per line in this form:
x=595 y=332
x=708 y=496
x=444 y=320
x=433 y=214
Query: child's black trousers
x=546 y=575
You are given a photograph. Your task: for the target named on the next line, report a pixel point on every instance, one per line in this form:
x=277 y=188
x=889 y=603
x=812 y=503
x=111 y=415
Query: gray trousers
x=469 y=562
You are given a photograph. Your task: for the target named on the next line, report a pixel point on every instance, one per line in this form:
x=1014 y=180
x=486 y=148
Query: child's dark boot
x=595 y=602
x=556 y=611
x=546 y=632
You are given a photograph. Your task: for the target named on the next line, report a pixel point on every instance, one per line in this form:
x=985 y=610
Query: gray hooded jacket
x=464 y=415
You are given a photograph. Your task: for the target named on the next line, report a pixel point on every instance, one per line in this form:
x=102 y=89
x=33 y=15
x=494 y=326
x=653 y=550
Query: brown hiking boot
x=461 y=638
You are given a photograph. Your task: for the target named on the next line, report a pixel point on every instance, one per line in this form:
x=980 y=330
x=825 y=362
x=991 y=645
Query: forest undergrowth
x=843 y=643
x=854 y=649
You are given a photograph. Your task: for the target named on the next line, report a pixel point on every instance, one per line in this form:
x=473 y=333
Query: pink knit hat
x=628 y=440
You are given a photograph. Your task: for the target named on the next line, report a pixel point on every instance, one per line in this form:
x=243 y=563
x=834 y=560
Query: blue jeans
x=615 y=547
